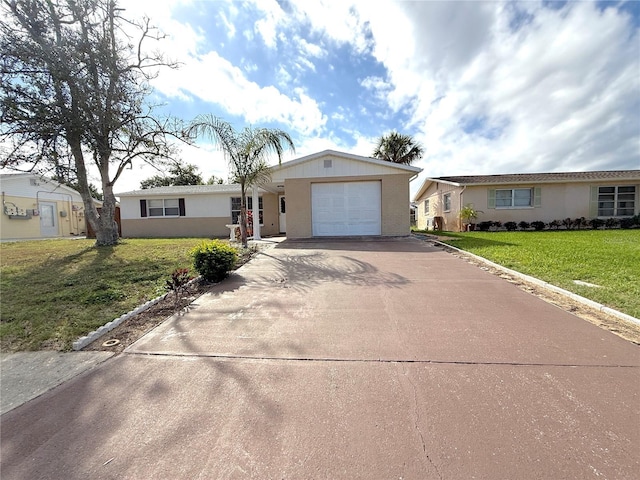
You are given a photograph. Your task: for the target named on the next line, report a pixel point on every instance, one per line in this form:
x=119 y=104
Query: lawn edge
x=546 y=285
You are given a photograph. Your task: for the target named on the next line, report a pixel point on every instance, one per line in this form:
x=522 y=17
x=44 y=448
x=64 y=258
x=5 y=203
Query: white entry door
x=282 y=217
x=346 y=208
x=48 y=219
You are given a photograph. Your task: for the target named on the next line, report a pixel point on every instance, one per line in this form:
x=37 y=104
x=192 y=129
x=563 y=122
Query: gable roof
x=529 y=178
x=55 y=187
x=346 y=156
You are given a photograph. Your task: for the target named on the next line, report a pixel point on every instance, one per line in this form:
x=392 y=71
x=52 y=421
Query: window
x=162 y=207
x=514 y=197
x=235 y=208
x=616 y=201
x=447 y=202
x=426 y=207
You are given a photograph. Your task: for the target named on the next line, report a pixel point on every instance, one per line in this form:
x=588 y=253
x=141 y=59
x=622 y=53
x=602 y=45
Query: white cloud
x=558 y=92
x=214 y=79
x=310 y=49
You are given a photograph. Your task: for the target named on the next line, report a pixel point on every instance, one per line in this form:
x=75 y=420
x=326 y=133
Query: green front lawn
x=609 y=258
x=55 y=291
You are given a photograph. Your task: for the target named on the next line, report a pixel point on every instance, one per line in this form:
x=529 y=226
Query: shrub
x=497 y=224
x=538 y=225
x=213 y=259
x=568 y=223
x=596 y=223
x=485 y=226
x=636 y=220
x=511 y=226
x=555 y=224
x=611 y=222
x=178 y=283
x=524 y=225
x=580 y=223
x=626 y=223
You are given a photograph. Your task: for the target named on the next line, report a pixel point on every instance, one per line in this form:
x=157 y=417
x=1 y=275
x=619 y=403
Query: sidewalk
x=27 y=375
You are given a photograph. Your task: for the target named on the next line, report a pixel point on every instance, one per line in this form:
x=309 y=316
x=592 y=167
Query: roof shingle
x=541 y=177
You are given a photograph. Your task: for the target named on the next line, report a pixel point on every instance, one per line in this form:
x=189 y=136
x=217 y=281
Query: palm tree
x=398 y=148
x=246 y=151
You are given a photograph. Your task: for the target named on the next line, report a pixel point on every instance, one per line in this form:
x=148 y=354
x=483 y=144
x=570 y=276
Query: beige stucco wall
x=172 y=227
x=270 y=215
x=435 y=193
x=15 y=229
x=394 y=209
x=558 y=201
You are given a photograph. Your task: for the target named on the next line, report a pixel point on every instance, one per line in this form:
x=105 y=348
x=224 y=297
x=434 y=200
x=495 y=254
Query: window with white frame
x=235 y=208
x=164 y=207
x=447 y=202
x=616 y=201
x=426 y=207
x=514 y=197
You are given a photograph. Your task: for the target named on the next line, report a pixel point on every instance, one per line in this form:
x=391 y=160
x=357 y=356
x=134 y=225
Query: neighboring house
x=36 y=207
x=528 y=197
x=325 y=194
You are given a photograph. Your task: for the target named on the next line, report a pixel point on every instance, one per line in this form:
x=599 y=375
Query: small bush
x=580 y=223
x=568 y=223
x=213 y=259
x=626 y=222
x=596 y=223
x=497 y=224
x=524 y=225
x=485 y=226
x=538 y=225
x=178 y=283
x=511 y=226
x=611 y=222
x=555 y=224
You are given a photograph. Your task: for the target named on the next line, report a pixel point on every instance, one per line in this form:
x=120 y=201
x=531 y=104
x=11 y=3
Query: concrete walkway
x=370 y=359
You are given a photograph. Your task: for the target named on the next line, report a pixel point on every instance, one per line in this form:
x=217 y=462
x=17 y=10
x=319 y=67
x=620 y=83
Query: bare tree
x=246 y=151
x=73 y=81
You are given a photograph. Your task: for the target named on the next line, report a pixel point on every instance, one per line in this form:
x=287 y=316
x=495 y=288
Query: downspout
x=460 y=207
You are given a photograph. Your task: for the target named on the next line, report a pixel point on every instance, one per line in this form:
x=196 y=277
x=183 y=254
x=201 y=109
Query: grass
x=58 y=290
x=608 y=258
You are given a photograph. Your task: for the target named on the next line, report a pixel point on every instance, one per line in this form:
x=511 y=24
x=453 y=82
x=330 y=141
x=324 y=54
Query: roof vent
x=328 y=163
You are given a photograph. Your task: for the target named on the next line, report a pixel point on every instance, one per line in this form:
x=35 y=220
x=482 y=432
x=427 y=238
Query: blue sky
x=486 y=87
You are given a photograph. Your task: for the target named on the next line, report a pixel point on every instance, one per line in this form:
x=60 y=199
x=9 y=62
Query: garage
x=346 y=208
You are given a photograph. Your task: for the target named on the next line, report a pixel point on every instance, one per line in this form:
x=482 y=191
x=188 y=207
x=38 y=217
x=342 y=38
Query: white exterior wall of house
x=206 y=215
x=34 y=207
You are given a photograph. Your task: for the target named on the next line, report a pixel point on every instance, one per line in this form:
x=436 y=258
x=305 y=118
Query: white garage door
x=348 y=208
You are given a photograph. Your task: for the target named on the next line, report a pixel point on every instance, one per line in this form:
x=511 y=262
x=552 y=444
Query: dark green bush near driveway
x=214 y=259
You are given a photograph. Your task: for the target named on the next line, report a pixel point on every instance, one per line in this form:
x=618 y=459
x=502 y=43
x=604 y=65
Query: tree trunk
x=107 y=234
x=103 y=224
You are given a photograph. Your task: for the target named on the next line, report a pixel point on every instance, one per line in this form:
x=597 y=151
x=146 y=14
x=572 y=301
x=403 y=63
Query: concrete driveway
x=347 y=359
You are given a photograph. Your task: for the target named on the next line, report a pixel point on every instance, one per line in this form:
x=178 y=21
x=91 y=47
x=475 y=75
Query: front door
x=282 y=217
x=48 y=219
